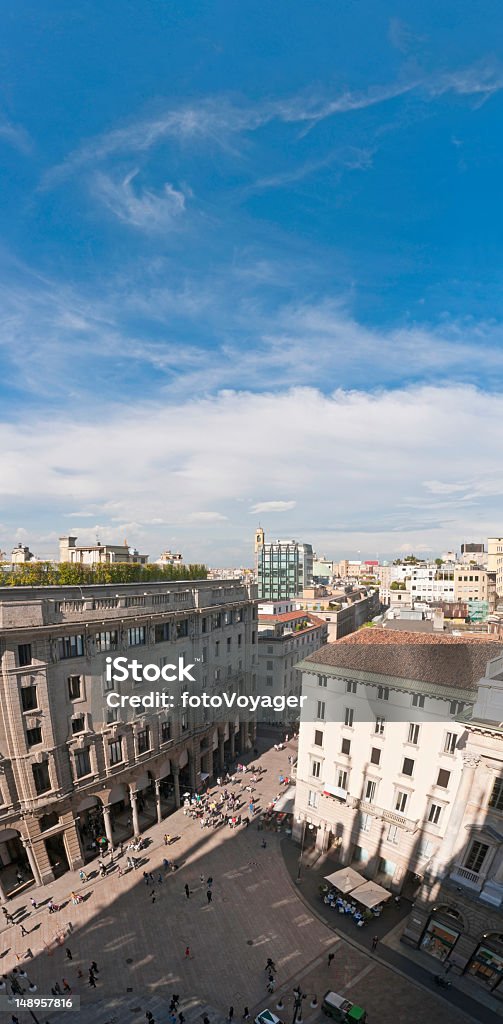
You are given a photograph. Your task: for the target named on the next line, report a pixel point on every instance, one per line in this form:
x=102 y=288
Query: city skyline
x=250 y=271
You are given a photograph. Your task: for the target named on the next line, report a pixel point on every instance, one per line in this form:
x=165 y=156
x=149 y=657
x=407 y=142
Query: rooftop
x=437 y=659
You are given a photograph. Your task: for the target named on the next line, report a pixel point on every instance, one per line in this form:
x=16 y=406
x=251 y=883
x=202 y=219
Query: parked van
x=341 y=1009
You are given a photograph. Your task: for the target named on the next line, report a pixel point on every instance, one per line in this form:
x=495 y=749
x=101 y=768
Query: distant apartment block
x=285 y=638
x=95 y=554
x=283 y=567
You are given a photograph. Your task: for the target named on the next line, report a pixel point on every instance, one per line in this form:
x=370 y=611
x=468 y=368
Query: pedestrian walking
x=167 y=838
x=8 y=917
x=153 y=897
x=33 y=903
x=94 y=967
x=146 y=878
x=230 y=1013
x=270 y=965
x=187 y=952
x=330 y=958
x=181 y=1018
x=209 y=882
x=375 y=940
x=209 y=895
x=150 y=1017
x=23 y=930
x=159 y=879
x=246 y=1014
x=187 y=891
x=69 y=954
x=92 y=980
x=206 y=1020
x=66 y=986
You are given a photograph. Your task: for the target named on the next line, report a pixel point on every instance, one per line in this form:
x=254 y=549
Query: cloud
x=352 y=460
x=273 y=506
x=207 y=517
x=15 y=135
x=218 y=119
x=142 y=209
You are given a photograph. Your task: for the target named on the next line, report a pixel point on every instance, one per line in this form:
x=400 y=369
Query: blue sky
x=250 y=269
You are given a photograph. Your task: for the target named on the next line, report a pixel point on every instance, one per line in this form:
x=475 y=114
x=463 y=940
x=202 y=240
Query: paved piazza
x=256 y=912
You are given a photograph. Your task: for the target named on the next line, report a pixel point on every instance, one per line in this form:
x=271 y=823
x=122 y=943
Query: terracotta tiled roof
x=439 y=659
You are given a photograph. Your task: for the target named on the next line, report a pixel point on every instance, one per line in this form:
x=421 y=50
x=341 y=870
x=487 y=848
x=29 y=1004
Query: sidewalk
x=409 y=963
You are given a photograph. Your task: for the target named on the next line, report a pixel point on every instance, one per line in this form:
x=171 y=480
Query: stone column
x=243 y=745
x=133 y=796
x=158 y=800
x=448 y=853
x=31 y=860
x=175 y=770
x=221 y=753
x=108 y=825
x=232 y=740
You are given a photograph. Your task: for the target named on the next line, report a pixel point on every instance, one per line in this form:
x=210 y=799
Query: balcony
x=380 y=812
x=466 y=877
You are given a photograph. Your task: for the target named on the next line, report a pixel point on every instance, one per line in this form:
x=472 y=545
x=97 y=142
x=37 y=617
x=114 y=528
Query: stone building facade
x=71 y=767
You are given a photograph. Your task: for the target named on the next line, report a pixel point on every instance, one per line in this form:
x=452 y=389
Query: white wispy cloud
x=143 y=208
x=272 y=506
x=217 y=119
x=15 y=135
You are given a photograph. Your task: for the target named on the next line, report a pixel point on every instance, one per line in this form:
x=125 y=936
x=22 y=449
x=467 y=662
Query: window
x=143 y=740
x=161 y=632
x=450 y=742
x=29 y=700
x=181 y=629
x=71 y=646
x=217 y=648
x=41 y=777
x=413 y=736
x=351 y=686
x=375 y=755
x=318 y=738
x=379 y=726
x=240 y=639
x=268 y=680
x=216 y=620
x=349 y=716
x=322 y=680
x=408 y=766
x=342 y=778
x=185 y=721
x=107 y=641
x=270 y=666
x=229 y=641
x=165 y=732
x=239 y=615
x=74 y=687
x=108 y=684
x=456 y=707
x=476 y=856
x=425 y=848
x=321 y=711
x=115 y=751
x=203 y=625
x=434 y=814
x=365 y=822
x=34 y=736
x=78 y=724
x=393 y=835
x=136 y=636
x=370 y=789
x=417 y=700
x=443 y=778
x=312 y=798
x=24 y=654
x=401 y=801
x=82 y=763
x=496 y=798
x=316 y=769
x=216 y=675
x=346 y=747
x=383 y=693
x=112 y=715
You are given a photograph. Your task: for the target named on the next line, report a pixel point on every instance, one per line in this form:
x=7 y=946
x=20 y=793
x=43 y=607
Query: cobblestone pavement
x=255 y=913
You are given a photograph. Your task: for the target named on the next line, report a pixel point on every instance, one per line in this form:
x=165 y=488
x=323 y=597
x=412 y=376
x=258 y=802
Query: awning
x=329 y=790
x=286 y=801
x=370 y=894
x=345 y=879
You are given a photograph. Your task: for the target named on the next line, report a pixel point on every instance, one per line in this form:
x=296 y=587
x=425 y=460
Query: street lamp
x=297 y=1005
x=304 y=824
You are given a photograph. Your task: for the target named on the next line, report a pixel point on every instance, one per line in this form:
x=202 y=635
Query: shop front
x=486 y=964
x=441 y=934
